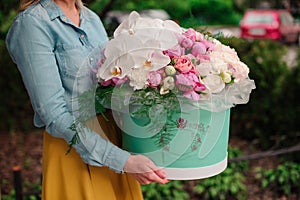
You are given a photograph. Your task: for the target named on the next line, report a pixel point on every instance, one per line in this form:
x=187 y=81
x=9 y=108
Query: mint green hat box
x=193 y=147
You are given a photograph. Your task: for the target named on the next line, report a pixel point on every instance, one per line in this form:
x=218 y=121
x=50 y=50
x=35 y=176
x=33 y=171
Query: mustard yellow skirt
x=67 y=177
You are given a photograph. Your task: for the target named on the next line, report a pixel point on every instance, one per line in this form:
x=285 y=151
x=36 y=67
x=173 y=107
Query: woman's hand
x=144 y=170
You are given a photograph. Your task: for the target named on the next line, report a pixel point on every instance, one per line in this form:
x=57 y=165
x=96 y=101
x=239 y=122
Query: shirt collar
x=54 y=11
x=52 y=8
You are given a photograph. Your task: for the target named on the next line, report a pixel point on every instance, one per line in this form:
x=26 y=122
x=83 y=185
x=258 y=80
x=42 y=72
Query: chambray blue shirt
x=54 y=58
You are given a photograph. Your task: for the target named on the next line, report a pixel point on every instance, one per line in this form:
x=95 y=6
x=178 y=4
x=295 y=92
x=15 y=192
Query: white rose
x=214 y=83
x=204 y=68
x=138 y=78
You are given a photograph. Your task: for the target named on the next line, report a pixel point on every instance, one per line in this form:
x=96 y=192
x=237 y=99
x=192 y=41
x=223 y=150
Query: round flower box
x=190 y=145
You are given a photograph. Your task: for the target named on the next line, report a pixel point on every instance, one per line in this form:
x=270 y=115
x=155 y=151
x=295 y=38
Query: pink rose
x=183 y=64
x=154 y=79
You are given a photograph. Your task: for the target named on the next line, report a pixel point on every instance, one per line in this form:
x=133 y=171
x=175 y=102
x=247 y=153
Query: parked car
x=270 y=24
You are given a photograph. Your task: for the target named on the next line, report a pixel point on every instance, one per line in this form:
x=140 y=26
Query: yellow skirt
x=67 y=177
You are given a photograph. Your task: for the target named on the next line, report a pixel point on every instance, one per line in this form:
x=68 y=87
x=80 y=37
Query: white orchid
x=149 y=29
x=117 y=56
x=126 y=52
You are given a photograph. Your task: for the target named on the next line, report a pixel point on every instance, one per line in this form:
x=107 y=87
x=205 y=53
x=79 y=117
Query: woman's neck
x=68 y=4
x=70 y=9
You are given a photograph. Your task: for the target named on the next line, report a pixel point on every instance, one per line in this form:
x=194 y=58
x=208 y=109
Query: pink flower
x=199 y=36
x=183 y=64
x=114 y=81
x=118 y=81
x=191 y=34
x=176 y=51
x=190 y=84
x=210 y=46
x=186 y=43
x=181 y=123
x=106 y=83
x=154 y=79
x=192 y=95
x=199 y=49
x=186 y=82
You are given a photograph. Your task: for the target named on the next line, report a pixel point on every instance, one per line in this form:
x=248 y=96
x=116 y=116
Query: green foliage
x=12 y=196
x=35 y=193
x=5 y=22
x=284 y=178
x=191 y=13
x=171 y=190
x=227 y=185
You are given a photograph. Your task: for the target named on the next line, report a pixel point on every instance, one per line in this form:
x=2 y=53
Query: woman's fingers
x=144 y=170
x=149 y=177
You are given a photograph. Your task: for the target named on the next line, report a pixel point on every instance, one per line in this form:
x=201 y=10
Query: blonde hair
x=26 y=3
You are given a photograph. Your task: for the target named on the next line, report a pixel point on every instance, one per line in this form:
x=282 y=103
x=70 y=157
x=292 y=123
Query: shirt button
x=82 y=36
x=64 y=18
x=91 y=61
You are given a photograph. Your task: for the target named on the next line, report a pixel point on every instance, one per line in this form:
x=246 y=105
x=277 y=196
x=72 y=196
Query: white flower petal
x=127 y=24
x=124 y=63
x=214 y=83
x=138 y=78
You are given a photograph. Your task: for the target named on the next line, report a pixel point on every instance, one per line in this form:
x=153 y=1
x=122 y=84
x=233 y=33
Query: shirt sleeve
x=29 y=44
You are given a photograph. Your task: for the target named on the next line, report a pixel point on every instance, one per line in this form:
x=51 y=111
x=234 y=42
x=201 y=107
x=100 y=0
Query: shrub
x=171 y=190
x=284 y=179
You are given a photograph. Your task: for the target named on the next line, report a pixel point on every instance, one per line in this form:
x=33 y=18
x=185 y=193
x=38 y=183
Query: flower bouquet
x=171 y=90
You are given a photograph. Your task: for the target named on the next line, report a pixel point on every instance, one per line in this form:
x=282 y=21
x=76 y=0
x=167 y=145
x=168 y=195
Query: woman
x=48 y=41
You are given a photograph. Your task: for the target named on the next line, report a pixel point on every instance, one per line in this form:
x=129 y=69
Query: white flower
x=167 y=85
x=138 y=78
x=127 y=52
x=150 y=57
x=239 y=70
x=170 y=70
x=204 y=68
x=214 y=83
x=149 y=29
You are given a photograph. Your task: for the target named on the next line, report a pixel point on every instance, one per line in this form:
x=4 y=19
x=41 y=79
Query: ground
x=25 y=150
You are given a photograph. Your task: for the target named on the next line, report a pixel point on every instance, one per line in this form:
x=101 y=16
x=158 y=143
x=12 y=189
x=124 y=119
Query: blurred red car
x=270 y=24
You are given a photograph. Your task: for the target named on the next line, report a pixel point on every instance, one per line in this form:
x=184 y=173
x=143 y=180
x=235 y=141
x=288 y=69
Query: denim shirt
x=55 y=61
